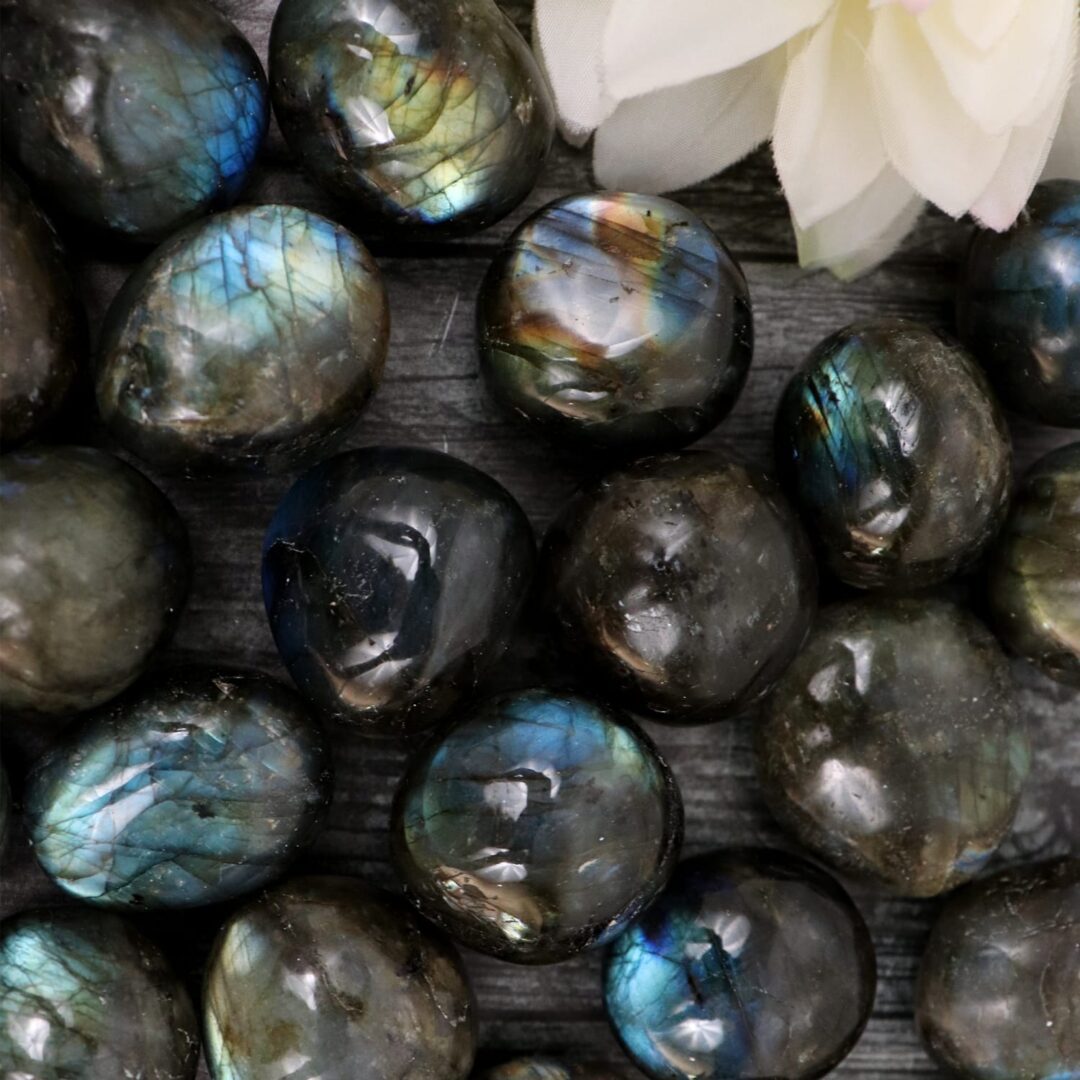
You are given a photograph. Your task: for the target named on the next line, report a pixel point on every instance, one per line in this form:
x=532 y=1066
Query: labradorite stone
x=998 y=984
x=544 y=1068
x=93 y=573
x=892 y=445
x=130 y=116
x=894 y=746
x=195 y=787
x=84 y=994
x=618 y=322
x=392 y=579
x=431 y=115
x=537 y=826
x=255 y=337
x=326 y=977
x=684 y=581
x=1034 y=569
x=753 y=964
x=42 y=330
x=1018 y=308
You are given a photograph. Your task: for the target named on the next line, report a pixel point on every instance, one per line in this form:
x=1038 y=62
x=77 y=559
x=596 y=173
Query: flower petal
x=1064 y=160
x=985 y=22
x=690 y=132
x=649 y=46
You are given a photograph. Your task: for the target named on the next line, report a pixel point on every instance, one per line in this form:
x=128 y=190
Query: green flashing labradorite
x=431 y=114
x=894 y=746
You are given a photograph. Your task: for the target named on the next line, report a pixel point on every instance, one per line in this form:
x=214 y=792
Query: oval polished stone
x=93 y=573
x=84 y=994
x=753 y=964
x=1018 y=308
x=684 y=581
x=1034 y=568
x=431 y=115
x=130 y=116
x=44 y=334
x=998 y=983
x=393 y=578
x=894 y=746
x=325 y=975
x=545 y=1068
x=896 y=452
x=618 y=322
x=255 y=337
x=536 y=827
x=194 y=788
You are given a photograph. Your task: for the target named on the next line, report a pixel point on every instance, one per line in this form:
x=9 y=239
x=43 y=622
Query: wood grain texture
x=432 y=397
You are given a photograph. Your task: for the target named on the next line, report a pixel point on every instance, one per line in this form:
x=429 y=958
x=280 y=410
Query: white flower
x=873 y=106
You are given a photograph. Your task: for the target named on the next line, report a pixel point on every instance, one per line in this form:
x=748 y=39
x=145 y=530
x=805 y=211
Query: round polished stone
x=891 y=443
x=325 y=975
x=42 y=327
x=537 y=826
x=753 y=964
x=618 y=322
x=431 y=115
x=684 y=581
x=1018 y=308
x=998 y=984
x=545 y=1068
x=1034 y=568
x=194 y=788
x=255 y=337
x=894 y=746
x=393 y=578
x=132 y=117
x=93 y=574
x=84 y=994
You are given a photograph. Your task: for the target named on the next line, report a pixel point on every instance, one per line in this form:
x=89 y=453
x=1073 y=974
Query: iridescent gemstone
x=616 y=321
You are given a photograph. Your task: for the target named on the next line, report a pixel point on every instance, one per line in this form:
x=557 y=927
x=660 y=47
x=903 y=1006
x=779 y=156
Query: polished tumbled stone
x=546 y=1068
x=255 y=337
x=752 y=965
x=84 y=995
x=431 y=115
x=897 y=454
x=195 y=787
x=894 y=745
x=326 y=977
x=537 y=826
x=616 y=322
x=93 y=573
x=998 y=986
x=129 y=116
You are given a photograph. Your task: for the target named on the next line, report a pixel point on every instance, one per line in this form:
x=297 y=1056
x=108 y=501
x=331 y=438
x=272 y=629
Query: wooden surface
x=432 y=397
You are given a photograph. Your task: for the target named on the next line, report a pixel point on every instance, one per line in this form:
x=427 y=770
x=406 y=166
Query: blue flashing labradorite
x=536 y=827
x=129 y=116
x=194 y=788
x=752 y=964
x=253 y=338
x=84 y=994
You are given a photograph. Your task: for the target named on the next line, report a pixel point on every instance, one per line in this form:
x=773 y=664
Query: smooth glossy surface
x=894 y=745
x=42 y=327
x=432 y=115
x=545 y=1068
x=538 y=826
x=253 y=338
x=752 y=965
x=896 y=452
x=132 y=117
x=617 y=321
x=684 y=581
x=194 y=788
x=1034 y=568
x=93 y=573
x=392 y=579
x=1018 y=308
x=998 y=985
x=84 y=994
x=322 y=977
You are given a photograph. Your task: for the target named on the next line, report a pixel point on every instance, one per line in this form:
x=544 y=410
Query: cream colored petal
x=1064 y=160
x=651 y=44
x=985 y=22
